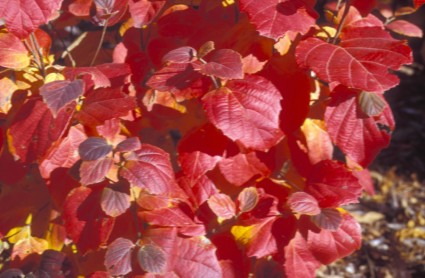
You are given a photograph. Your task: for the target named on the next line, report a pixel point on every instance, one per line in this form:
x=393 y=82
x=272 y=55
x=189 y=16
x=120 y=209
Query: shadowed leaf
x=94 y=148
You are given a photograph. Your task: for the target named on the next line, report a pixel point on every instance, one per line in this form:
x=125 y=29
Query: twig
x=341 y=24
x=39 y=54
x=99 y=46
x=213 y=79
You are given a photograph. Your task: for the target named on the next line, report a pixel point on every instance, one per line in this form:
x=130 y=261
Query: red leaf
x=198 y=190
x=246 y=110
x=59 y=93
x=418 y=3
x=318 y=141
x=195 y=257
x=251 y=64
x=13 y=53
x=101 y=76
x=151 y=169
x=173 y=217
x=355 y=19
x=80 y=7
x=196 y=164
x=105 y=104
x=332 y=184
x=118 y=257
x=173 y=78
x=224 y=64
x=35 y=129
x=328 y=219
x=94 y=148
x=360 y=61
x=222 y=206
x=152 y=202
x=65 y=154
x=263 y=237
x=273 y=18
x=95 y=171
x=299 y=262
x=109 y=12
x=109 y=129
x=328 y=246
x=144 y=11
x=365 y=180
x=85 y=222
x=248 y=199
x=364 y=7
x=181 y=55
x=24 y=16
x=360 y=137
x=241 y=168
x=405 y=28
x=303 y=203
x=128 y=145
x=151 y=258
x=114 y=202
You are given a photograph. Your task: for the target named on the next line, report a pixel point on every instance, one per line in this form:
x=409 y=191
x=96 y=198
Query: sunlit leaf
x=34 y=129
x=246 y=110
x=241 y=168
x=405 y=28
x=328 y=246
x=150 y=169
x=21 y=18
x=299 y=261
x=65 y=154
x=361 y=60
x=144 y=11
x=248 y=199
x=105 y=104
x=273 y=18
x=360 y=137
x=13 y=53
x=222 y=206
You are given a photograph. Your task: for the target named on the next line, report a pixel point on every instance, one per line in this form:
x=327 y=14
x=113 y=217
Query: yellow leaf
x=18 y=233
x=13 y=53
x=242 y=234
x=27 y=246
x=7 y=88
x=56 y=236
x=54 y=76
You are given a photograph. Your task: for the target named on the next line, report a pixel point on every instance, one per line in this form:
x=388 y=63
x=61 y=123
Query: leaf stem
x=68 y=53
x=341 y=24
x=32 y=45
x=133 y=210
x=213 y=78
x=99 y=46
